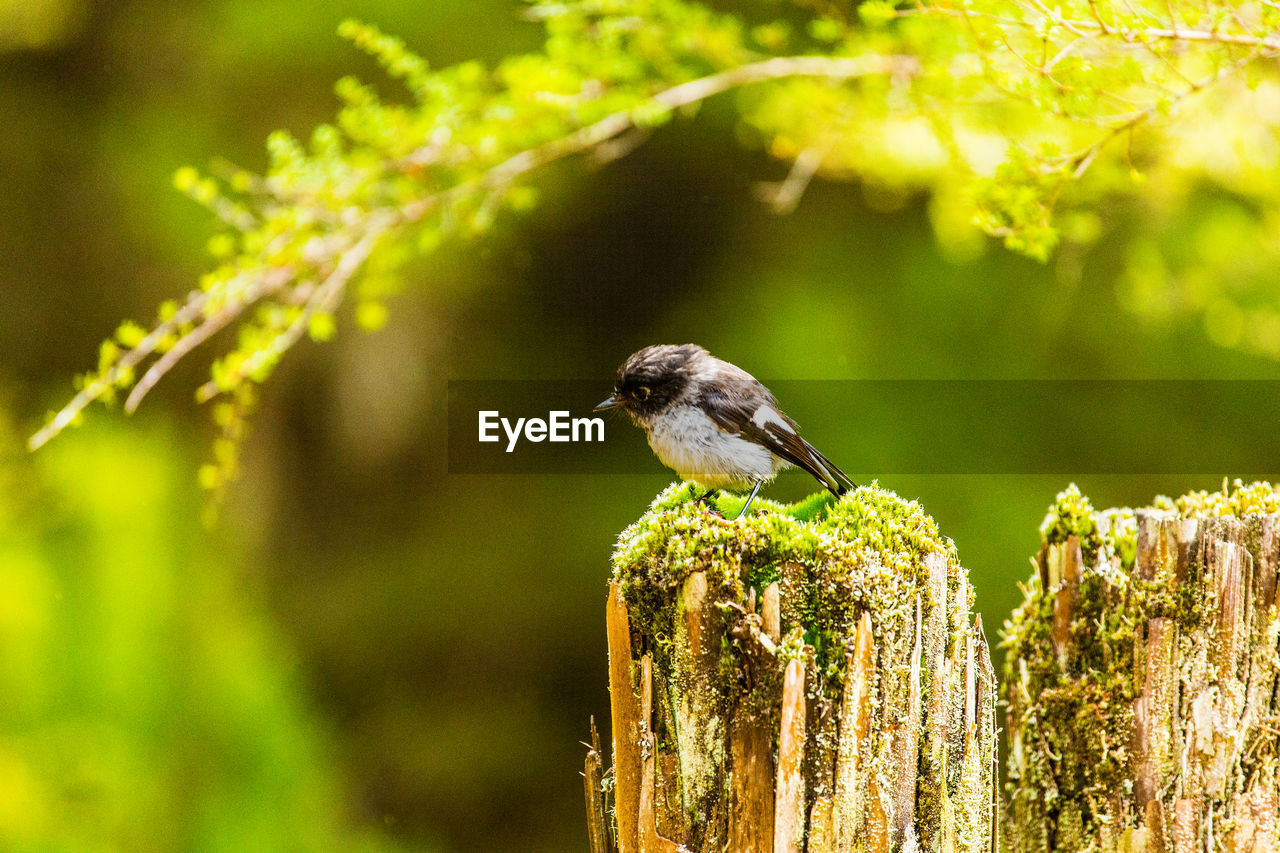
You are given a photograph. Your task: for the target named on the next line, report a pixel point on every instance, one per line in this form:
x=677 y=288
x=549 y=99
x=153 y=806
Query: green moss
x=1120 y=534
x=1113 y=532
x=1071 y=514
x=812 y=508
x=864 y=551
x=1237 y=499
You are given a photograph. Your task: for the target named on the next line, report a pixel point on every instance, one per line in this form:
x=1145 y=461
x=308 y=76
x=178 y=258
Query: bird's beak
x=610 y=403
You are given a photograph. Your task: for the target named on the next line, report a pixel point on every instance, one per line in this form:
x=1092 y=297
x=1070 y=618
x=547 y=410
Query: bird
x=713 y=423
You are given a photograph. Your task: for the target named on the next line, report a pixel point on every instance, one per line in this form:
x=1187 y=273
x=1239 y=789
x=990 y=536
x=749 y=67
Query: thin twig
x=188 y=313
x=238 y=303
x=682 y=95
x=1083 y=160
x=1135 y=35
x=783 y=196
x=323 y=300
x=185 y=345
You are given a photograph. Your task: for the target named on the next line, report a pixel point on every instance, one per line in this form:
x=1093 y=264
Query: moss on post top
x=1240 y=499
x=1104 y=533
x=1108 y=551
x=834 y=559
x=869 y=528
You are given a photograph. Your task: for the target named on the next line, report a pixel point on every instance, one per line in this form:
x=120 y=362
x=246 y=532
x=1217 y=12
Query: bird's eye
x=642 y=393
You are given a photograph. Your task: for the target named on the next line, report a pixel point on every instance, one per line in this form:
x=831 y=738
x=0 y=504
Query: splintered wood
x=593 y=781
x=758 y=759
x=1157 y=727
x=788 y=821
x=852 y=755
x=627 y=730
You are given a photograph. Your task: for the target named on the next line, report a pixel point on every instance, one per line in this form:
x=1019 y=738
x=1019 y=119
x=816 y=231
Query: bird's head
x=653 y=378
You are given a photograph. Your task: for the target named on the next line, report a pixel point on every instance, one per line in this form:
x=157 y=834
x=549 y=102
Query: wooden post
x=796 y=685
x=1144 y=715
x=627 y=728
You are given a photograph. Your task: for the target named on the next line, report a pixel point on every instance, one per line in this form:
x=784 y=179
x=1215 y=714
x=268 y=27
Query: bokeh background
x=365 y=652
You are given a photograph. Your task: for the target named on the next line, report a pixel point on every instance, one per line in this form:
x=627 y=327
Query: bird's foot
x=704 y=497
x=709 y=507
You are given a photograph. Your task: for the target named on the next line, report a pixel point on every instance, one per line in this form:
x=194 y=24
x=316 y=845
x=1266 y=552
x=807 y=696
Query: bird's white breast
x=688 y=441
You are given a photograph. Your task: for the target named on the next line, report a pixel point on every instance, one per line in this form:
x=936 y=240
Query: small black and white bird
x=713 y=423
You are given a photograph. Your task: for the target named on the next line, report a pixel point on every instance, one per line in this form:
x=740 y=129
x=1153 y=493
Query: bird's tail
x=836 y=481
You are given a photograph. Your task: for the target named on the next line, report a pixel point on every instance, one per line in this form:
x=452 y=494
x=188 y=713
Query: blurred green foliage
x=39 y=23
x=370 y=648
x=148 y=703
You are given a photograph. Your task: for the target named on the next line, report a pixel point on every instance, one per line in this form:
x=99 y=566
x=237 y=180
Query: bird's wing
x=750 y=410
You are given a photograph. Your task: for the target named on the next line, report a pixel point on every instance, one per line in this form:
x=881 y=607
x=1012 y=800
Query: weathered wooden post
x=806 y=679
x=1143 y=679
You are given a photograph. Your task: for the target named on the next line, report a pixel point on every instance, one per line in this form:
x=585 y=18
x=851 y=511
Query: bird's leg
x=750 y=498
x=703 y=501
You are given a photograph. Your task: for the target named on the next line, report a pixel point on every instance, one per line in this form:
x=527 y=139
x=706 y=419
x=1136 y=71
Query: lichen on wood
x=818 y=682
x=1142 y=678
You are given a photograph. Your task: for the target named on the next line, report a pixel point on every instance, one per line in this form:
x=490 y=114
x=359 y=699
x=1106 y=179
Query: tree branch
x=1134 y=35
x=682 y=95
x=324 y=299
x=379 y=220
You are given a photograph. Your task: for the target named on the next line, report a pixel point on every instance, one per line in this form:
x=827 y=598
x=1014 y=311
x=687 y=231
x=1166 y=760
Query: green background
x=367 y=652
